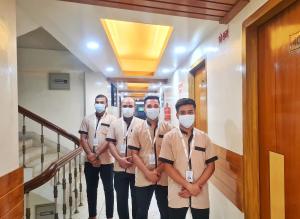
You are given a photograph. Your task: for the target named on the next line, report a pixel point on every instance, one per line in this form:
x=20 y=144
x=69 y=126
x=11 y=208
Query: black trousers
x=122 y=182
x=144 y=196
x=180 y=213
x=92 y=180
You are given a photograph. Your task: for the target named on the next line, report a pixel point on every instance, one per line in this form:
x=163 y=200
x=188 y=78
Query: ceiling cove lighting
x=138 y=86
x=92 y=45
x=138 y=47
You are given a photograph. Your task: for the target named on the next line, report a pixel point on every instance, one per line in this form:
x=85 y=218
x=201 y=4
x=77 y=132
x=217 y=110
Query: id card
x=152 y=159
x=123 y=148
x=189 y=176
x=95 y=144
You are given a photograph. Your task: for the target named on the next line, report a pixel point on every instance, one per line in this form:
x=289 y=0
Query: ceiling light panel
x=137 y=46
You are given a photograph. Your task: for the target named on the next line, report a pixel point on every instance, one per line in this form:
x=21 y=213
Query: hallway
x=225 y=68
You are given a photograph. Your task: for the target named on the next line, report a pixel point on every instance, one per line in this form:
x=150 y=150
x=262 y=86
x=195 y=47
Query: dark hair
x=151 y=98
x=185 y=101
x=101 y=96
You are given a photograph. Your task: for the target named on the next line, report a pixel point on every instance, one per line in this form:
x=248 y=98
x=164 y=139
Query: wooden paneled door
x=200 y=95
x=279 y=106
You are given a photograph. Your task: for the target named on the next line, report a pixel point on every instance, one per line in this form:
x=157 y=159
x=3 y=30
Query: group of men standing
x=148 y=156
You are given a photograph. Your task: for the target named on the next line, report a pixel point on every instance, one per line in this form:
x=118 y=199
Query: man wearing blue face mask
x=144 y=143
x=124 y=176
x=189 y=159
x=93 y=132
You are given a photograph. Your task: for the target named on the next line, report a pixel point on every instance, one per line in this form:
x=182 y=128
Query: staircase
x=53 y=173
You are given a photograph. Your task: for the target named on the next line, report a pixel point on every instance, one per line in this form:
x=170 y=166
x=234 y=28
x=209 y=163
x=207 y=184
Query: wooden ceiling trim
x=234 y=11
x=229 y=2
x=172 y=6
x=147 y=9
x=164 y=7
x=200 y=4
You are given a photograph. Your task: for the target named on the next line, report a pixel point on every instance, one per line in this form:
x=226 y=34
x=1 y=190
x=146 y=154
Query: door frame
x=250 y=102
x=201 y=64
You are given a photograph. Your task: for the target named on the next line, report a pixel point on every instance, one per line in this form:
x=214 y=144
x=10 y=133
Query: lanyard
x=188 y=156
x=155 y=134
x=97 y=122
x=128 y=129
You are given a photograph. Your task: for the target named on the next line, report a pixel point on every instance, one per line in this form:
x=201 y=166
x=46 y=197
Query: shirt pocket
x=159 y=140
x=104 y=128
x=199 y=157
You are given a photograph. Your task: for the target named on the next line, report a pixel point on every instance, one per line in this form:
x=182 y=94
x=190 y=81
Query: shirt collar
x=184 y=132
x=128 y=121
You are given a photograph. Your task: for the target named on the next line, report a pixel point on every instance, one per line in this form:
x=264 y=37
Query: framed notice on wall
x=59 y=81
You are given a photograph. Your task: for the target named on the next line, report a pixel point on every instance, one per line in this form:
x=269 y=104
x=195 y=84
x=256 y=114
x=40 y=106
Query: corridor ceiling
x=111 y=40
x=216 y=10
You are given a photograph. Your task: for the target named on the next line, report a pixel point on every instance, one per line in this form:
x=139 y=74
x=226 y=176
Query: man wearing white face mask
x=93 y=132
x=189 y=162
x=124 y=177
x=145 y=143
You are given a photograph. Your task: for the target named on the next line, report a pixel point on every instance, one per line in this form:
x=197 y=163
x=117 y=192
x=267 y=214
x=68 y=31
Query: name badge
x=95 y=142
x=189 y=176
x=123 y=148
x=152 y=159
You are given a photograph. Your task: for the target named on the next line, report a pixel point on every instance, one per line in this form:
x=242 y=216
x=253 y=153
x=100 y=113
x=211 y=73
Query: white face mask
x=128 y=112
x=99 y=107
x=152 y=113
x=186 y=120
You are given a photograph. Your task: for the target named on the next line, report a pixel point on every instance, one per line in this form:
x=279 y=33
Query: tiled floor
x=83 y=214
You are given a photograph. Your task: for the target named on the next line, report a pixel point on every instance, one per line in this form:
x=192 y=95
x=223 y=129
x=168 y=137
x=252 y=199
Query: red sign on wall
x=223 y=36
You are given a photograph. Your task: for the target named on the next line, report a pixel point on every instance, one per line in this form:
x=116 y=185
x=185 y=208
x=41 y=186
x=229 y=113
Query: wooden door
x=200 y=95
x=279 y=106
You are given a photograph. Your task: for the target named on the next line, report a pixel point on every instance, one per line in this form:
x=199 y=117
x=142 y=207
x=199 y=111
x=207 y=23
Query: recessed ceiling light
x=180 y=49
x=121 y=86
x=153 y=87
x=109 y=69
x=92 y=45
x=166 y=70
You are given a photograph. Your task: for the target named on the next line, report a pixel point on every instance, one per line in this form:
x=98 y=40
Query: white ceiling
x=39 y=39
x=73 y=25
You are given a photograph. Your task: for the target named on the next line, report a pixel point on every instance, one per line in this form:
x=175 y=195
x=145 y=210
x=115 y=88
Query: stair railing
x=66 y=163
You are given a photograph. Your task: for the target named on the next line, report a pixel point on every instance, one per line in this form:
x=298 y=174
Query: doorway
x=279 y=111
x=272 y=111
x=199 y=93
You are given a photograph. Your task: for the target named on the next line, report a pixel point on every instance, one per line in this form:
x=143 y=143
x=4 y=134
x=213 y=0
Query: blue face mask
x=99 y=107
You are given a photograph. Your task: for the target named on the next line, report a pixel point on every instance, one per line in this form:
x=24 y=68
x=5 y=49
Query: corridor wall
x=224 y=97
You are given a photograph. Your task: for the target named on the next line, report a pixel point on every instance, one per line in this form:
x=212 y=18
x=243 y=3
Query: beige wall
x=64 y=108
x=224 y=83
x=96 y=83
x=8 y=88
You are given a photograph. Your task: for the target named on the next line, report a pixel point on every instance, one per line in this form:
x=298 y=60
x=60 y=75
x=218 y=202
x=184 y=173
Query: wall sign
x=295 y=42
x=223 y=36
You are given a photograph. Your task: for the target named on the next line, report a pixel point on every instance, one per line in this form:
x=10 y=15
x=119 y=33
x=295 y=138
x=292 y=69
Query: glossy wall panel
x=8 y=88
x=228 y=176
x=12 y=195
